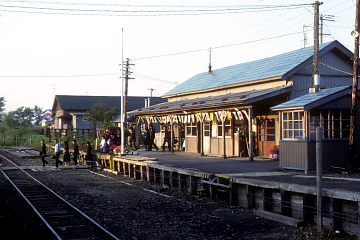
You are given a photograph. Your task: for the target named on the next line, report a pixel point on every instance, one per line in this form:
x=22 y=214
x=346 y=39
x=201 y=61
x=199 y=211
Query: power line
x=135 y=13
x=224 y=46
x=61 y=76
x=155 y=79
x=144 y=58
x=154 y=6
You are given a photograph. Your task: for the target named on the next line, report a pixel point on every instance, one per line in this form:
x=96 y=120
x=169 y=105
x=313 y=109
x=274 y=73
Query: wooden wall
x=293 y=154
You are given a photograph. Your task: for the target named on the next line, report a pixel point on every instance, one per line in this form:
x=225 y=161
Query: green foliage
x=2 y=107
x=22 y=117
x=101 y=115
x=24 y=136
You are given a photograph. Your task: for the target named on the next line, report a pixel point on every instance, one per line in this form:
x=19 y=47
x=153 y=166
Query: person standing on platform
x=166 y=138
x=88 y=155
x=104 y=146
x=152 y=138
x=117 y=137
x=146 y=138
x=76 y=152
x=132 y=137
x=43 y=153
x=57 y=152
x=66 y=154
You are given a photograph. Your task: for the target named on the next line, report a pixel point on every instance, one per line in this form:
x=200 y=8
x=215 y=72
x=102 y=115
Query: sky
x=63 y=47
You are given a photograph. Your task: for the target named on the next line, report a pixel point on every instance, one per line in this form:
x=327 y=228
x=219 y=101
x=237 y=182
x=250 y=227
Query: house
x=70 y=110
x=47 y=119
x=237 y=110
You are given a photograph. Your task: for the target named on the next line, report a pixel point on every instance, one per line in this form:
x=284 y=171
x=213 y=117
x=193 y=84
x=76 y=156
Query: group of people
x=109 y=141
x=67 y=154
x=149 y=138
x=107 y=144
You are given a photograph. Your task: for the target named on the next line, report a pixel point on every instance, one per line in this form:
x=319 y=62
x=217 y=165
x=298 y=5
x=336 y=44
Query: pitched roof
x=83 y=103
x=313 y=100
x=279 y=66
x=222 y=101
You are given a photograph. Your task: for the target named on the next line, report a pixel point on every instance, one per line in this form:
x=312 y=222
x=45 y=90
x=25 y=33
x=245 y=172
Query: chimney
x=146 y=103
x=209 y=67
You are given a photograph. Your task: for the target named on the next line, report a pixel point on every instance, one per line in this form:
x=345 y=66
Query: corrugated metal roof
x=312 y=100
x=276 y=66
x=198 y=104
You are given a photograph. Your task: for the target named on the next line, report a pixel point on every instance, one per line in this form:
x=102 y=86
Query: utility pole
x=322 y=19
x=127 y=74
x=151 y=91
x=122 y=93
x=354 y=90
x=316 y=76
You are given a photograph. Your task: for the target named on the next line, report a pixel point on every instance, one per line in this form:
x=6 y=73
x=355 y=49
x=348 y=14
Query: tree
x=9 y=120
x=101 y=115
x=23 y=117
x=2 y=107
x=38 y=114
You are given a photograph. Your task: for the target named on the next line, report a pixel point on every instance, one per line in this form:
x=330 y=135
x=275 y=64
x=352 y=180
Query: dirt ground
x=134 y=210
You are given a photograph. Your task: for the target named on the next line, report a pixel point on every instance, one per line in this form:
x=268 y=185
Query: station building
x=255 y=108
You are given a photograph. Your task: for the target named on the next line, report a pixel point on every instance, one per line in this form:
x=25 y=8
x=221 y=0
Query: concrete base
x=279 y=218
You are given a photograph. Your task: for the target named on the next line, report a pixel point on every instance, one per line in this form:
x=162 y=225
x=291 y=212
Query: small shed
x=327 y=108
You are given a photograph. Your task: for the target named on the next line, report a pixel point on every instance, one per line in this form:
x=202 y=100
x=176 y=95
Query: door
x=207 y=138
x=266 y=136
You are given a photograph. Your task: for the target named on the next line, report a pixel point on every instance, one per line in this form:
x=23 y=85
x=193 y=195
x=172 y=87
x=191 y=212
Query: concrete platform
x=217 y=165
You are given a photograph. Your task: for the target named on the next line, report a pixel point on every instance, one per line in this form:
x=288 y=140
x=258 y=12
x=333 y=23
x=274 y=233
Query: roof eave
x=287 y=109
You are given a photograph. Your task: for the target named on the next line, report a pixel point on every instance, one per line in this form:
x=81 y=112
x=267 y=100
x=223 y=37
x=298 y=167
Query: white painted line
x=256 y=174
x=332 y=178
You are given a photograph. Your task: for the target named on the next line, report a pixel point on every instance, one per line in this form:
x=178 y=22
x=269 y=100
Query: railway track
x=64 y=220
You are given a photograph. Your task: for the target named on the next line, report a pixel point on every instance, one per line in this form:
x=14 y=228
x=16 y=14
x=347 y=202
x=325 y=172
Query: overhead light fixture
x=184 y=111
x=354 y=33
x=236 y=109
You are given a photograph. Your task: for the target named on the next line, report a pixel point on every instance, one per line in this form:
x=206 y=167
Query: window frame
x=267 y=130
x=293 y=125
x=334 y=122
x=191 y=129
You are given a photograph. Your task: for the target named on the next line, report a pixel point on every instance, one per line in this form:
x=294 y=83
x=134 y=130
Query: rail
x=56 y=213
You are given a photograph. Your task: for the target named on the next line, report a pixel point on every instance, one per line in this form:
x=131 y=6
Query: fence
x=70 y=132
x=29 y=141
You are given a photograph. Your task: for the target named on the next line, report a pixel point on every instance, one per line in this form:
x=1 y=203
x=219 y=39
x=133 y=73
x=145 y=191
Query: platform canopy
x=228 y=101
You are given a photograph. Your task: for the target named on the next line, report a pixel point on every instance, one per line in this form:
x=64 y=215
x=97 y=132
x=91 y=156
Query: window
x=191 y=129
x=227 y=129
x=335 y=123
x=214 y=129
x=267 y=130
x=207 y=129
x=293 y=125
